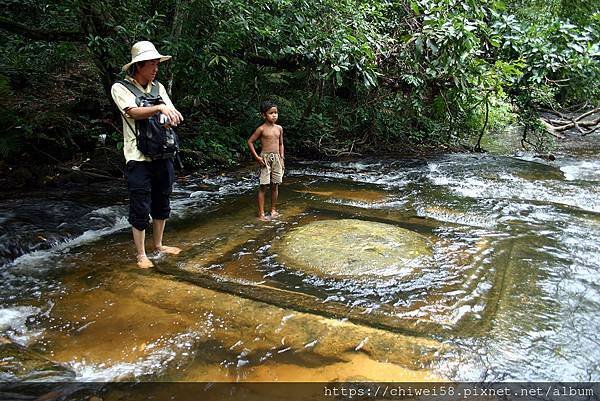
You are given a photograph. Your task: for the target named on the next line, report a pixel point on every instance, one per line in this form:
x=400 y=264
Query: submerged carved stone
x=354 y=248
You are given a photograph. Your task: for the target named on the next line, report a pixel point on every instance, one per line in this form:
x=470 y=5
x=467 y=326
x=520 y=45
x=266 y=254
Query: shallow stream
x=510 y=291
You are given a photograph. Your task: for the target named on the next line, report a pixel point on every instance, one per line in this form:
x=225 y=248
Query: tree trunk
x=485 y=123
x=179 y=18
x=94 y=24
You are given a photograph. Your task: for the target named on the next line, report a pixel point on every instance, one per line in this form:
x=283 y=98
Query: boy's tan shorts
x=272 y=173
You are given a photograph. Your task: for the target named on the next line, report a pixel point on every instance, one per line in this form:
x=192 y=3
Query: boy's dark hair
x=266 y=105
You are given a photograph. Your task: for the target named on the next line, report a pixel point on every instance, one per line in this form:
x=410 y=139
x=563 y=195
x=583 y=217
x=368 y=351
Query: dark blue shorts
x=150 y=185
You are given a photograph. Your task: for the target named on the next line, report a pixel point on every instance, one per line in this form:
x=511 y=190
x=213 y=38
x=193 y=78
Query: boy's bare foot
x=143 y=262
x=169 y=250
x=274 y=214
x=262 y=217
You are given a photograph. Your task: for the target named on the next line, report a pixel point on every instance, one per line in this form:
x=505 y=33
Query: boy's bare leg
x=158 y=227
x=274 y=195
x=261 y=202
x=139 y=238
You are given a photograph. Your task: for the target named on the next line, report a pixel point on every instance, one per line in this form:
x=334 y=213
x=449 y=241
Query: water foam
x=13 y=323
x=582 y=170
x=164 y=353
x=35 y=260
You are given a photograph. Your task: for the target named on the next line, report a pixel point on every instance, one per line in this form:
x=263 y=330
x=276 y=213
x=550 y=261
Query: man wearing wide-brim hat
x=149 y=181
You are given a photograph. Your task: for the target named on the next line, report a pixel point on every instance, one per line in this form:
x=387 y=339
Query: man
x=149 y=182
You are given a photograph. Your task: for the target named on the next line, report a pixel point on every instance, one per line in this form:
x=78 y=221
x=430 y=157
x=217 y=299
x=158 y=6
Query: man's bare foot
x=274 y=214
x=169 y=250
x=143 y=262
x=262 y=217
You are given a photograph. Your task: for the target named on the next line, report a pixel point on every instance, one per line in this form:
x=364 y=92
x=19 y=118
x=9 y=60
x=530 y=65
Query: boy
x=271 y=159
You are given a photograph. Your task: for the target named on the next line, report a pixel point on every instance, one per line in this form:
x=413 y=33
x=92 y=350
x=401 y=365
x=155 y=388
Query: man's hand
x=261 y=161
x=174 y=116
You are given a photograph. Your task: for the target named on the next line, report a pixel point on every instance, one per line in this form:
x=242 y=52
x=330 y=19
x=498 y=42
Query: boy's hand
x=261 y=161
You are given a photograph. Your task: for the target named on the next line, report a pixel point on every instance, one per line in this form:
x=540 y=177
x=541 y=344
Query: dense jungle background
x=350 y=77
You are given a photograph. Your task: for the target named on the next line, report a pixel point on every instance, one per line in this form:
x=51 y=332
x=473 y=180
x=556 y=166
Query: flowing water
x=509 y=293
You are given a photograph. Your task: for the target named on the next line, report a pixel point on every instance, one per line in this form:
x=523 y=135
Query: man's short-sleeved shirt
x=125 y=100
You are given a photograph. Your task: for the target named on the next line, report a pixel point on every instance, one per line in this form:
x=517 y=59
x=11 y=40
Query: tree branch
x=289 y=63
x=8 y=25
x=551 y=129
x=584 y=115
x=555 y=127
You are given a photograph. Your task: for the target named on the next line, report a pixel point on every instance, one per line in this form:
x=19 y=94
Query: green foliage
x=10 y=141
x=348 y=75
x=557 y=53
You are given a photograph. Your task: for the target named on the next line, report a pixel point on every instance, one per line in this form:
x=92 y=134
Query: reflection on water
x=508 y=292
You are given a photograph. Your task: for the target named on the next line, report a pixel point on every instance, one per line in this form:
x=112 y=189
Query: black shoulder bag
x=154 y=137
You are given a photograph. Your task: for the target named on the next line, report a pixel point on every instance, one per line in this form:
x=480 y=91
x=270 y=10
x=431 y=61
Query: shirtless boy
x=271 y=159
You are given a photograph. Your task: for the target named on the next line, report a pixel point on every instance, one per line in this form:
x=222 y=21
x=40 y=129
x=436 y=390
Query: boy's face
x=271 y=115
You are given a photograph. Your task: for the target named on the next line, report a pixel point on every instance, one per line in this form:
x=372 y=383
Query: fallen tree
x=565 y=122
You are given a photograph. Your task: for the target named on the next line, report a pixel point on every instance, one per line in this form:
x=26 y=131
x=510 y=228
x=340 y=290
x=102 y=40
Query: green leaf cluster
x=348 y=75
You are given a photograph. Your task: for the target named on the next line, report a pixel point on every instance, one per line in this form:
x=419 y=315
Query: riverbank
x=107 y=164
x=104 y=165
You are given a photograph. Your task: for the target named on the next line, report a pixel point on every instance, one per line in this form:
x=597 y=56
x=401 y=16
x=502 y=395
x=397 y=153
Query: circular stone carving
x=354 y=248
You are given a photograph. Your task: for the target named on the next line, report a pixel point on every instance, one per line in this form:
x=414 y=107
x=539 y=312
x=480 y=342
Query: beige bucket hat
x=142 y=51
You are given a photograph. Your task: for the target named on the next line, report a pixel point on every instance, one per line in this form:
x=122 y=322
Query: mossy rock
x=354 y=248
x=18 y=363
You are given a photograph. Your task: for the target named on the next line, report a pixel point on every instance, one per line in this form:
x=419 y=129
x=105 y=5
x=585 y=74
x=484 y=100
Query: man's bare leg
x=261 y=202
x=158 y=227
x=139 y=238
x=274 y=195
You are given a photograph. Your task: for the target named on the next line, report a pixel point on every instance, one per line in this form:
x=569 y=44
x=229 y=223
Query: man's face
x=149 y=70
x=271 y=115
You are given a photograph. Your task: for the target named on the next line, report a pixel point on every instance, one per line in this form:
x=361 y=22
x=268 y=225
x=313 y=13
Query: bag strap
x=134 y=130
x=154 y=90
x=132 y=88
x=137 y=93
